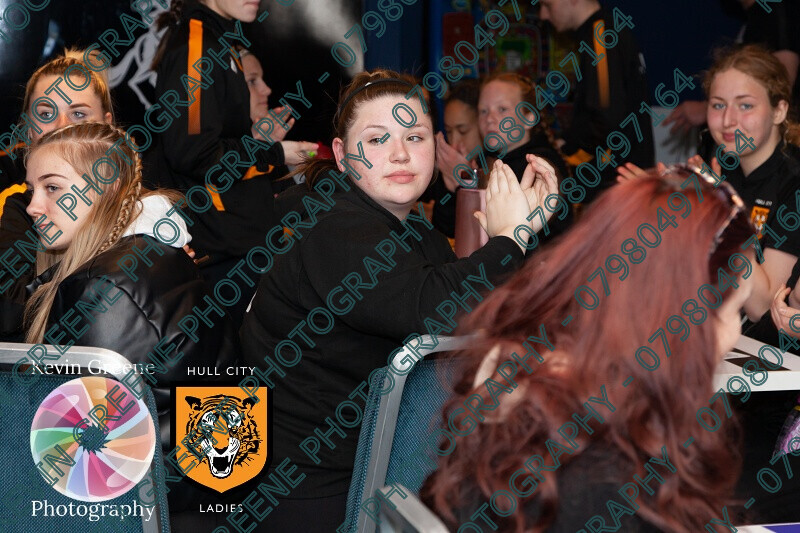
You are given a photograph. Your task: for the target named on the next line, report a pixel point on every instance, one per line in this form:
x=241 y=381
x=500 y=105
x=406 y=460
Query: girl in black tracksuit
x=388 y=306
x=511 y=131
x=237 y=206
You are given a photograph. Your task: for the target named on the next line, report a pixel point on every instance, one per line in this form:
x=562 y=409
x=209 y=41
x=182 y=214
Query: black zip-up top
x=213 y=123
x=372 y=317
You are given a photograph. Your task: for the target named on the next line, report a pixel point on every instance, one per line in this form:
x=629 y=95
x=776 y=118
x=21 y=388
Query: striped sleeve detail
x=195 y=53
x=216 y=199
x=581 y=156
x=602 y=69
x=4 y=153
x=252 y=172
x=8 y=192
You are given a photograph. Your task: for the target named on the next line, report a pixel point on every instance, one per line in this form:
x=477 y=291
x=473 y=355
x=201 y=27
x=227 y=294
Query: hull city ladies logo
x=225 y=432
x=759 y=216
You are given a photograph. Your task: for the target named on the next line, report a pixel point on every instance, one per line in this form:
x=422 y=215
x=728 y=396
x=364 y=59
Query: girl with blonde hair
x=85 y=249
x=82 y=95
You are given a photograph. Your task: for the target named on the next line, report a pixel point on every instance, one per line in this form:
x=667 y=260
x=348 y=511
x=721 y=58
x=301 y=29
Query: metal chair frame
x=388 y=411
x=409 y=514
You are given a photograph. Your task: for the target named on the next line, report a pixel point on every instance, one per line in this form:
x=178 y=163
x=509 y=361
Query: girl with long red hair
x=647 y=290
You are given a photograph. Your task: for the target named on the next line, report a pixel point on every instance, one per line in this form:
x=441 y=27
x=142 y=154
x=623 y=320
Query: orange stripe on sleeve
x=216 y=199
x=195 y=53
x=8 y=192
x=237 y=58
x=602 y=70
x=17 y=146
x=581 y=156
x=252 y=172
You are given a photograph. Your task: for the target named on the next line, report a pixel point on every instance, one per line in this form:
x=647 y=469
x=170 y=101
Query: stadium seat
x=397 y=424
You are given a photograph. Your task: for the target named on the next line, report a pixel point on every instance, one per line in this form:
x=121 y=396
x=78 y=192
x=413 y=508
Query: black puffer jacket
x=143 y=312
x=14 y=223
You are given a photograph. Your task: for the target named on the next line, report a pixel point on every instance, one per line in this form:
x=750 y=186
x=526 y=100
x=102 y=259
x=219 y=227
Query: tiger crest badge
x=224 y=432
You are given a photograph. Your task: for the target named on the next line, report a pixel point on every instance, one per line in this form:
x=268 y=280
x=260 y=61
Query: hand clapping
x=538 y=182
x=509 y=202
x=447 y=159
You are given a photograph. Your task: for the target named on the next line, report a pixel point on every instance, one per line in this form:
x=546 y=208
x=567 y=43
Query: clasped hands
x=509 y=201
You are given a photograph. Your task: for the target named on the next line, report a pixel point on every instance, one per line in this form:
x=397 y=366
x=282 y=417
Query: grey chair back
x=384 y=447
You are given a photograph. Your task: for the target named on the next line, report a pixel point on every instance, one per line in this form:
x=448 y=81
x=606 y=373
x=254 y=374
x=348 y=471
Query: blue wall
x=402 y=46
x=678 y=33
x=681 y=33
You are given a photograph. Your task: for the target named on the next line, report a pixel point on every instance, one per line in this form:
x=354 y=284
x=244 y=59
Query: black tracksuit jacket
x=362 y=339
x=607 y=93
x=214 y=124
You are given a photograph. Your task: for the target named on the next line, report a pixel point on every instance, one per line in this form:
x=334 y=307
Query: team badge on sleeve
x=758 y=216
x=225 y=433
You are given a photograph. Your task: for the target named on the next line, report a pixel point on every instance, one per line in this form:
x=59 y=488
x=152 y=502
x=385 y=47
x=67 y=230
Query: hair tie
x=368 y=84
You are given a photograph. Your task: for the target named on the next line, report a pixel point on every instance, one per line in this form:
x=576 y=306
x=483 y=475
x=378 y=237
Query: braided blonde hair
x=112 y=212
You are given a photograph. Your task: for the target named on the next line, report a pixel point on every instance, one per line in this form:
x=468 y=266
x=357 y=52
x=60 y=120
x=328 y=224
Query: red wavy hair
x=657 y=409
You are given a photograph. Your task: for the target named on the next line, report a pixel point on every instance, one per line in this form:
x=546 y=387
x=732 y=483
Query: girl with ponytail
x=398 y=292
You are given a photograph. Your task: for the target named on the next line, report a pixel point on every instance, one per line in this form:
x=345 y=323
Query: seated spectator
x=259 y=109
x=369 y=207
x=749 y=92
x=749 y=95
x=748 y=99
x=189 y=150
x=92 y=104
x=605 y=402
x=501 y=127
x=463 y=137
x=81 y=253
